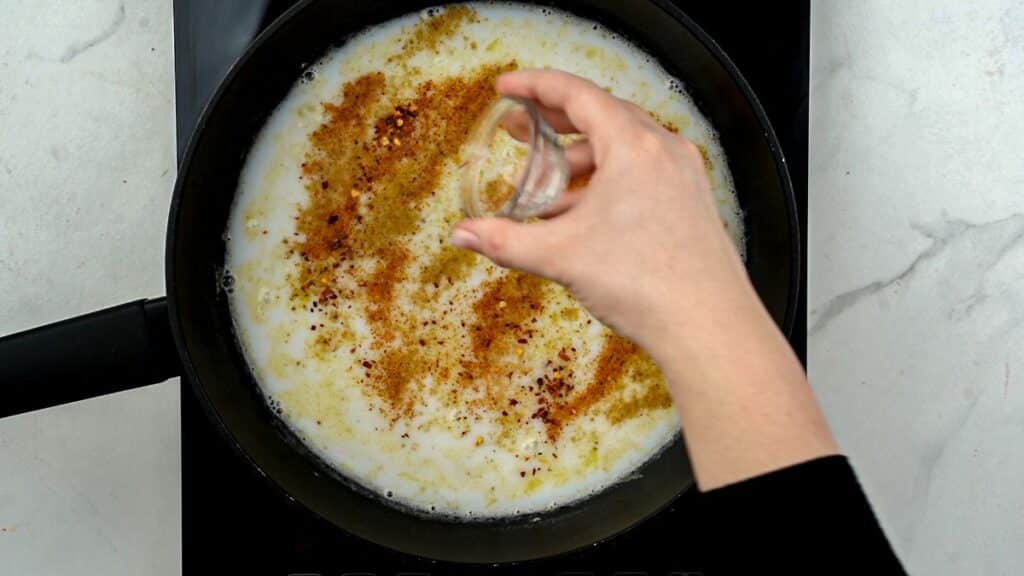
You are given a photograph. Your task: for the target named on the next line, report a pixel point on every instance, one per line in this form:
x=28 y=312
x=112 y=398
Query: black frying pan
x=134 y=344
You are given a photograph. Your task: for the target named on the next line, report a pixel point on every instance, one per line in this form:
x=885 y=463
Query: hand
x=642 y=243
x=642 y=247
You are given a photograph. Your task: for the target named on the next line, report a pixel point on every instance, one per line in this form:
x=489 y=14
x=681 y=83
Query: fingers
x=635 y=109
x=569 y=199
x=527 y=247
x=558 y=120
x=586 y=106
x=580 y=156
x=517 y=123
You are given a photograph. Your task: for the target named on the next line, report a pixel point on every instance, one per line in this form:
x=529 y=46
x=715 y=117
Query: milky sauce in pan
x=420 y=371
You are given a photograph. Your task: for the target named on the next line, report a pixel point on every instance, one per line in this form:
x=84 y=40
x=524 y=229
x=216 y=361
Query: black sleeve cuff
x=812 y=517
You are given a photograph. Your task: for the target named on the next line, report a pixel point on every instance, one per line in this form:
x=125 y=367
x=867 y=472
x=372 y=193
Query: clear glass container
x=513 y=165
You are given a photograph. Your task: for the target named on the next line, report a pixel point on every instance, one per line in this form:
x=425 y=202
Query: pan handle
x=116 y=349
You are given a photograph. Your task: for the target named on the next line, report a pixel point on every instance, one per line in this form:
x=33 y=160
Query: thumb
x=510 y=244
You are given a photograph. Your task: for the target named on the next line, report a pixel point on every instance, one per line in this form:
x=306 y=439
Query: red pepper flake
x=522 y=474
x=332 y=218
x=523 y=341
x=563 y=356
x=513 y=401
x=367 y=364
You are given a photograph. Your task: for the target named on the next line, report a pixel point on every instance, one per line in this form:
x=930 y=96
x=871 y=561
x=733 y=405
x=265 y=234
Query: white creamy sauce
x=433 y=460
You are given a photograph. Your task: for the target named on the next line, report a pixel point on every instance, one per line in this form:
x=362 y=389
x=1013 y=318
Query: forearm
x=745 y=405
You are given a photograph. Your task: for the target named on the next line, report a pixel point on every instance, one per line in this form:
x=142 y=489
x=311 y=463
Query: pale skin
x=643 y=248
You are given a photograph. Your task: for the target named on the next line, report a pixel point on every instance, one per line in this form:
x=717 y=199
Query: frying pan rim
x=174 y=312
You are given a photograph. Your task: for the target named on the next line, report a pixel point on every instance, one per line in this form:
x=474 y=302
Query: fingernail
x=464 y=239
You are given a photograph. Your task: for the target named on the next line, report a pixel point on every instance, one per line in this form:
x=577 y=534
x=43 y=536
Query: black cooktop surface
x=234 y=521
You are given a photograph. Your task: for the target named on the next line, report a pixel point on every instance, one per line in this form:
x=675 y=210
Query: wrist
x=702 y=324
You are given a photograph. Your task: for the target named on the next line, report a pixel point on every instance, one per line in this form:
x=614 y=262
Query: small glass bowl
x=513 y=166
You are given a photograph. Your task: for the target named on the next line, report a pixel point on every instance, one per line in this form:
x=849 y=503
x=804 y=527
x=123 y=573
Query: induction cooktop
x=235 y=522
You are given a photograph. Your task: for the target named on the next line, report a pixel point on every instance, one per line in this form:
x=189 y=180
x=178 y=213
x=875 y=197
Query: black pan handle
x=116 y=349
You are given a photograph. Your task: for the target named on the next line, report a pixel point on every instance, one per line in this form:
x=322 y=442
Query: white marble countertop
x=916 y=271
x=87 y=162
x=916 y=263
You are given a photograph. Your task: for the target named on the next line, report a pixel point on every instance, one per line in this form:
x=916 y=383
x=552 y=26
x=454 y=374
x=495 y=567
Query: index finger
x=587 y=106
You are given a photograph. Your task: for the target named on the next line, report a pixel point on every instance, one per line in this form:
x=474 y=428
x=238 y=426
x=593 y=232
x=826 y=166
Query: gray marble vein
x=76 y=49
x=942 y=234
x=931 y=459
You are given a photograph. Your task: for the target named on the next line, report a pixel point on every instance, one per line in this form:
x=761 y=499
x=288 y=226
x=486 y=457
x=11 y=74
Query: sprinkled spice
x=501 y=313
x=495 y=194
x=388 y=172
x=451 y=265
x=559 y=405
x=708 y=166
x=429 y=34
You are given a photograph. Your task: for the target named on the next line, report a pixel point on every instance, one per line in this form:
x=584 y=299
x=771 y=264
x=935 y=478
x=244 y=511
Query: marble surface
x=916 y=268
x=87 y=163
x=916 y=296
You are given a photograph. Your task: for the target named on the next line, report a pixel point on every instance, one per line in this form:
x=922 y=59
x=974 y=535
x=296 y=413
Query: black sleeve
x=811 y=518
